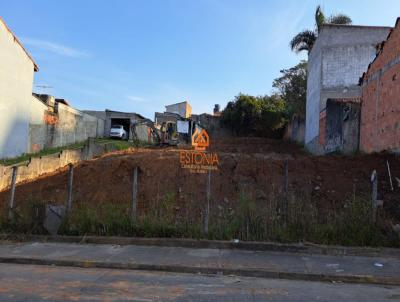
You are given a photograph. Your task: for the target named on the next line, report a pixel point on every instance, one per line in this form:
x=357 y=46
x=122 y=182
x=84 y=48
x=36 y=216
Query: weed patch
x=349 y=225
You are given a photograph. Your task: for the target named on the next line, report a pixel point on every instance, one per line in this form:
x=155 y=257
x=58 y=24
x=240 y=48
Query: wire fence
x=172 y=202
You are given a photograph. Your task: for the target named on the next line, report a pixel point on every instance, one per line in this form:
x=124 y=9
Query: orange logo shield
x=200 y=140
x=198 y=160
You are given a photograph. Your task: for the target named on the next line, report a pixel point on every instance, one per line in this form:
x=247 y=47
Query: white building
x=16 y=80
x=183 y=109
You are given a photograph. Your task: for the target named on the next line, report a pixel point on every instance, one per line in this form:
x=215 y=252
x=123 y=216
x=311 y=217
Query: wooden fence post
x=12 y=193
x=207 y=209
x=390 y=175
x=286 y=177
x=134 y=193
x=374 y=199
x=285 y=192
x=70 y=185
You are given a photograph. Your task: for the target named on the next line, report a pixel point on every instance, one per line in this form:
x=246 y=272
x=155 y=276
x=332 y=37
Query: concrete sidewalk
x=266 y=264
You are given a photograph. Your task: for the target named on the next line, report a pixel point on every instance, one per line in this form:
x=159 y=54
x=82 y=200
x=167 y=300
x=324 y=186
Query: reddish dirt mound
x=252 y=165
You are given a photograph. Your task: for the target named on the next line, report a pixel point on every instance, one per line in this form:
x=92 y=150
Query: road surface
x=51 y=283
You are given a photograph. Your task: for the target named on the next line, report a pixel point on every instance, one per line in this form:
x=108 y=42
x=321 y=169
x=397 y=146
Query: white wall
x=16 y=80
x=37 y=131
x=313 y=93
x=343 y=66
x=183 y=109
x=70 y=126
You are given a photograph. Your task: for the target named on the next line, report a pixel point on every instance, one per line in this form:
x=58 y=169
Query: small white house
x=16 y=80
x=183 y=109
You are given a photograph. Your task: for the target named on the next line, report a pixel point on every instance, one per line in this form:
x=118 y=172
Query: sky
x=140 y=55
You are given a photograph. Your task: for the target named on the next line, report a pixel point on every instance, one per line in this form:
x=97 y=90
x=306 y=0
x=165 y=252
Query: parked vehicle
x=118 y=131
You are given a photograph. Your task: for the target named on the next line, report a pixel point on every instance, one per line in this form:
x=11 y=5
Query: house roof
x=137 y=114
x=36 y=96
x=43 y=97
x=380 y=49
x=35 y=66
x=63 y=101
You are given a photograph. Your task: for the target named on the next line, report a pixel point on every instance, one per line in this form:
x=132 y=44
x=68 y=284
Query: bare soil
x=252 y=165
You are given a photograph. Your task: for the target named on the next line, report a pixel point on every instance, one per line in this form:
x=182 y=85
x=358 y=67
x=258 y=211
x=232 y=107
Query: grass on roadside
x=349 y=225
x=27 y=156
x=117 y=144
x=121 y=144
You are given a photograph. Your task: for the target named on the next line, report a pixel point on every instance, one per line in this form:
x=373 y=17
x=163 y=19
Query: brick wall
x=380 y=113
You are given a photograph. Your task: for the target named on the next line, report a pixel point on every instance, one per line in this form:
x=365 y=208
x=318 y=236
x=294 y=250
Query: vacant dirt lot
x=253 y=166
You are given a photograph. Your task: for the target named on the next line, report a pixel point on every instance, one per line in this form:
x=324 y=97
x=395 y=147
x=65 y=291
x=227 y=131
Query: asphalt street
x=313 y=267
x=51 y=283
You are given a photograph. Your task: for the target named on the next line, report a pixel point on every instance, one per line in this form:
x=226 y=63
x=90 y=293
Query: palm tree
x=319 y=17
x=306 y=39
x=303 y=41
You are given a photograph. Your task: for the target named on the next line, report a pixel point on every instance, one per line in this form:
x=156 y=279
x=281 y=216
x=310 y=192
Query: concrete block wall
x=37 y=126
x=143 y=134
x=342 y=66
x=101 y=121
x=39 y=166
x=100 y=128
x=59 y=126
x=380 y=114
x=295 y=130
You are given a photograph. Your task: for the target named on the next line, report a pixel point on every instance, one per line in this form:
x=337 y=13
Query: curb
x=306 y=248
x=268 y=274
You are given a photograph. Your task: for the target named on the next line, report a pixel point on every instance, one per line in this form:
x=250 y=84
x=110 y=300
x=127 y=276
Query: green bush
x=255 y=115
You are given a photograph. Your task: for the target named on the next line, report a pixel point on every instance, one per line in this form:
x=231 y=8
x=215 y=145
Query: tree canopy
x=305 y=40
x=255 y=115
x=292 y=87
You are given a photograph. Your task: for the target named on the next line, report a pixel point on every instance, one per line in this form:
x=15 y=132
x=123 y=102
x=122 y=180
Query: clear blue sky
x=141 y=55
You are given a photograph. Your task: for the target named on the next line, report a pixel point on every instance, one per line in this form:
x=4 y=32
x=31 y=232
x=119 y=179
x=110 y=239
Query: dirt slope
x=250 y=165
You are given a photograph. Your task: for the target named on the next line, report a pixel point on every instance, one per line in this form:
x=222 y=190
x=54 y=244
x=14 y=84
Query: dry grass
x=302 y=221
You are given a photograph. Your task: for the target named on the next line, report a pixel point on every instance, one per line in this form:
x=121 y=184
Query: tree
x=319 y=18
x=240 y=115
x=340 y=19
x=255 y=115
x=272 y=119
x=292 y=88
x=305 y=40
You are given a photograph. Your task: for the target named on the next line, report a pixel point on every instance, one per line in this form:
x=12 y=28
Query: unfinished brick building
x=336 y=62
x=380 y=113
